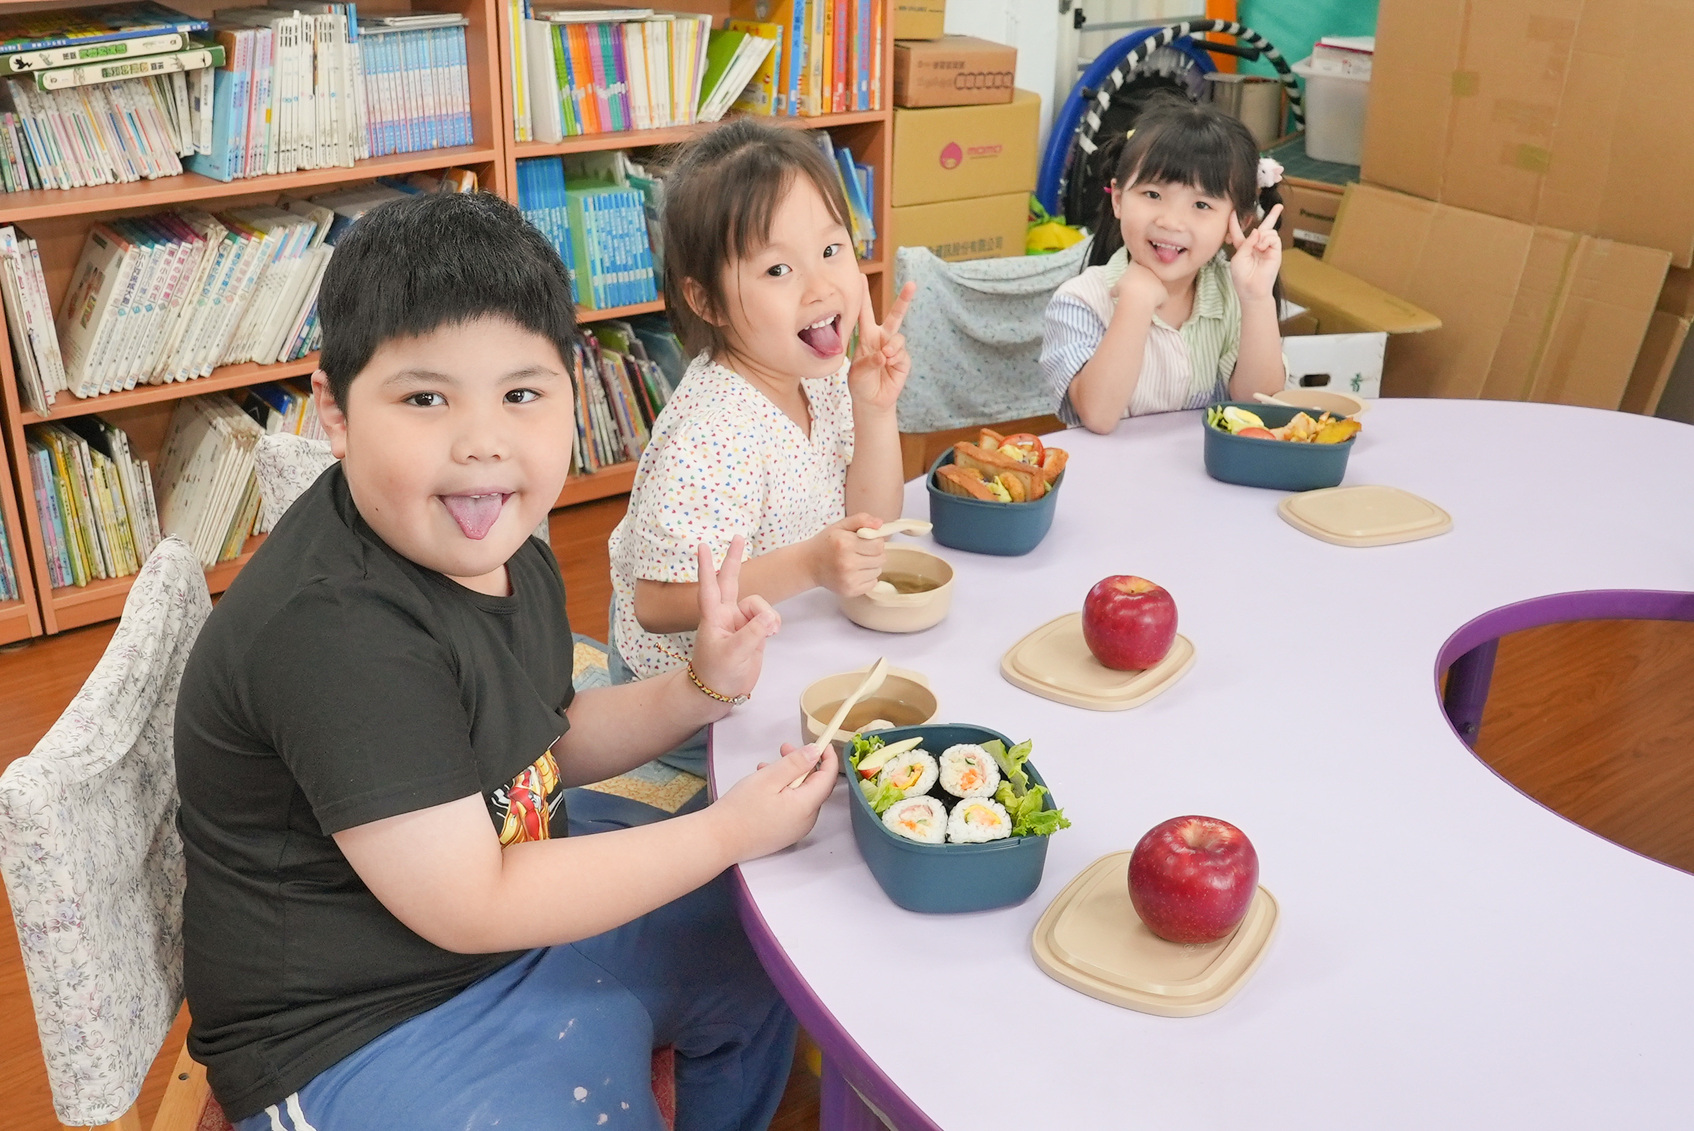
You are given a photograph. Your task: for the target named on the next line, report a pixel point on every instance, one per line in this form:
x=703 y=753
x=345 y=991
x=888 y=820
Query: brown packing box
x=956 y=152
x=1308 y=214
x=1677 y=297
x=1527 y=312
x=965 y=229
x=1540 y=111
x=1660 y=349
x=1339 y=303
x=919 y=19
x=955 y=70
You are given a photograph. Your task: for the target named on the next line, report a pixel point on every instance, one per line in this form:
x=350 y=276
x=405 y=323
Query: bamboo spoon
x=898 y=526
x=873 y=680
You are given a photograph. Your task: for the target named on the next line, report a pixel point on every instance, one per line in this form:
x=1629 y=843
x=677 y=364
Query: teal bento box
x=948 y=877
x=1280 y=465
x=1005 y=529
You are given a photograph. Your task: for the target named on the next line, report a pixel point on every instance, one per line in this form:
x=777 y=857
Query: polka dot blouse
x=724 y=460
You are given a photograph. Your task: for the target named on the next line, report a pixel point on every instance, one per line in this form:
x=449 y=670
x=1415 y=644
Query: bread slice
x=1053 y=464
x=1023 y=481
x=954 y=480
x=990 y=439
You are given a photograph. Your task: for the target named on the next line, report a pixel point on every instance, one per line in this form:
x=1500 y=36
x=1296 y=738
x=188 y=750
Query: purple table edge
x=851 y=1080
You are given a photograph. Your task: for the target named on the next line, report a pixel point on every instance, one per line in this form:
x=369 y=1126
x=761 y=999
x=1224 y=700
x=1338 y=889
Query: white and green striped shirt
x=1183 y=367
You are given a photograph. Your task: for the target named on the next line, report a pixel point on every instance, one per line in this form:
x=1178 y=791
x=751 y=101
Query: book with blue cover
x=25 y=33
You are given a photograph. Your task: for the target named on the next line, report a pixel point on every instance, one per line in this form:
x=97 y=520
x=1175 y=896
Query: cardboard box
x=957 y=152
x=979 y=228
x=1660 y=349
x=1527 y=312
x=1540 y=111
x=1343 y=363
x=1677 y=297
x=1308 y=214
x=1339 y=332
x=919 y=19
x=955 y=70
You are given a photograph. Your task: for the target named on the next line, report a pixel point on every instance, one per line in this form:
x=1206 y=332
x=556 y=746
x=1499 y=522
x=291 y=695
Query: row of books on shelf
x=140 y=91
x=171 y=296
x=625 y=372
x=583 y=68
x=102 y=510
x=10 y=590
x=598 y=227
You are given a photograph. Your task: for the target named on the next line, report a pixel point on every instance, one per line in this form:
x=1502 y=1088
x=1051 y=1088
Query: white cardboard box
x=1343 y=363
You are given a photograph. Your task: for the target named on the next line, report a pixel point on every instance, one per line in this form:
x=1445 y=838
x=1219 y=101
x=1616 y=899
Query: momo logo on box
x=952 y=156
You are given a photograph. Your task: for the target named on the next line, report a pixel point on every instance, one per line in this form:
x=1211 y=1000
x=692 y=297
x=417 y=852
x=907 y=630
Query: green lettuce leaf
x=861 y=747
x=1011 y=763
x=880 y=796
x=1028 y=813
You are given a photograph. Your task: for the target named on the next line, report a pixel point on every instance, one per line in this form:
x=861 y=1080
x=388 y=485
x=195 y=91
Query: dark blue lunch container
x=1006 y=529
x=1276 y=464
x=948 y=877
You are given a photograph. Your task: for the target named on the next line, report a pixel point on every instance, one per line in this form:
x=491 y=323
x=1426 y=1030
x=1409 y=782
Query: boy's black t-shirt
x=337 y=683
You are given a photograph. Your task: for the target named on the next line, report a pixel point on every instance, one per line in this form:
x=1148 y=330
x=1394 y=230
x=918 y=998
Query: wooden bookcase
x=59 y=221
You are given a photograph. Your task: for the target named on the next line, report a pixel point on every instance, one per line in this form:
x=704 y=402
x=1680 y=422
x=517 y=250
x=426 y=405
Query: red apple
x=1191 y=878
x=1128 y=622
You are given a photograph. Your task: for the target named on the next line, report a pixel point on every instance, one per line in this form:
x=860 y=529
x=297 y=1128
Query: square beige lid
x=1091 y=939
x=1054 y=662
x=1364 y=516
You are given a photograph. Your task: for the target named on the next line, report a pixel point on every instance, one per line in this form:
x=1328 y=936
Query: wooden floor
x=1595 y=720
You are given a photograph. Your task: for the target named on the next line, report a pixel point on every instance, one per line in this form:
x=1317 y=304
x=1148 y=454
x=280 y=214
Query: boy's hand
x=881 y=363
x=844 y=563
x=1144 y=290
x=761 y=814
x=729 y=647
x=1257 y=258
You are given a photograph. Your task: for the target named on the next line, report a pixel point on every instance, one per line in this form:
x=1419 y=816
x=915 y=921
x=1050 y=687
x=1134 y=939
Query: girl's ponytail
x=1108 y=235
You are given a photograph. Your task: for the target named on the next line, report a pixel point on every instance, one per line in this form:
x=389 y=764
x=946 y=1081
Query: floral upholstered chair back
x=91 y=857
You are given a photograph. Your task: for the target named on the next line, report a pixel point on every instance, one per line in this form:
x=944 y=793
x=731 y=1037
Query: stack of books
x=827 y=59
x=858 y=187
x=417 y=82
x=597 y=222
x=284 y=406
x=29 y=318
x=624 y=374
x=9 y=589
x=95 y=501
x=209 y=496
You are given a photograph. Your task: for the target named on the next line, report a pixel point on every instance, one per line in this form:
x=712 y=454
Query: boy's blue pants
x=563 y=1037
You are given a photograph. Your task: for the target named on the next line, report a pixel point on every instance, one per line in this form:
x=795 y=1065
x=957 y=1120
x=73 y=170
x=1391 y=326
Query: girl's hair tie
x=1270 y=172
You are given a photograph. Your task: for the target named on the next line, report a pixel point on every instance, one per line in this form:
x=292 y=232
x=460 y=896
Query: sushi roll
x=967 y=770
x=923 y=819
x=912 y=773
x=977 y=819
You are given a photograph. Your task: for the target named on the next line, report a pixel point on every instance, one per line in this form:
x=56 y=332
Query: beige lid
x=1364 y=516
x=1054 y=662
x=1091 y=939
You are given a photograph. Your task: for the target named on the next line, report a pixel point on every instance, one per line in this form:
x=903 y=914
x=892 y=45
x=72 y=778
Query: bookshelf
x=59 y=221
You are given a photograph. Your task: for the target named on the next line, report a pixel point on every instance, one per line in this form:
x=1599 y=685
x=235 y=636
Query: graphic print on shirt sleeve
x=524 y=810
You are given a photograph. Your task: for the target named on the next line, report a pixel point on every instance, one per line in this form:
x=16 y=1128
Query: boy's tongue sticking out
x=475 y=514
x=823 y=337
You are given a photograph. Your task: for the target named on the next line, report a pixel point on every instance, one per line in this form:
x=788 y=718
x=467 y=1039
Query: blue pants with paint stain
x=563 y=1037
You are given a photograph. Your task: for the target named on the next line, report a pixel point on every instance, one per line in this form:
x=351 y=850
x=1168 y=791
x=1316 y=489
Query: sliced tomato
x=1031 y=445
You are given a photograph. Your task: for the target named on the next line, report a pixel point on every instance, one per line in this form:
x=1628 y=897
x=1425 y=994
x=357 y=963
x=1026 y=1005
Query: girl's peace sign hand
x=1257 y=258
x=729 y=647
x=881 y=363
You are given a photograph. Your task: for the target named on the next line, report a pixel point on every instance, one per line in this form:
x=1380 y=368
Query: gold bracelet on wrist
x=731 y=700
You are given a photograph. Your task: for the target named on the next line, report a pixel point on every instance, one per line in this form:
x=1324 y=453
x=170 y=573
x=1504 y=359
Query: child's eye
x=426 y=400
x=831 y=251
x=522 y=396
x=1150 y=194
x=778 y=270
x=1201 y=204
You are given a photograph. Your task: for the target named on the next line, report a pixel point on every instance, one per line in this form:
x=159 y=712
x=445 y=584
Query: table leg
x=1467 y=689
x=841 y=1109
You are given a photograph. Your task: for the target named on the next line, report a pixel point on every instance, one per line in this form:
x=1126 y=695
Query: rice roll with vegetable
x=967 y=770
x=923 y=819
x=978 y=819
x=912 y=773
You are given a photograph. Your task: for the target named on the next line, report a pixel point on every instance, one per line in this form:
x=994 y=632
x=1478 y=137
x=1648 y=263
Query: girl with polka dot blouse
x=775 y=434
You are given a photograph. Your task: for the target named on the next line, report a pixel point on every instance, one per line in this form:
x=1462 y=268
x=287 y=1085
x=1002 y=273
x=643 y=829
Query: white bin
x=1335 y=113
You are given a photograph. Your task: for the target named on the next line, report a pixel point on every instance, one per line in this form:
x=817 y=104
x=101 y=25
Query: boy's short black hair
x=409 y=267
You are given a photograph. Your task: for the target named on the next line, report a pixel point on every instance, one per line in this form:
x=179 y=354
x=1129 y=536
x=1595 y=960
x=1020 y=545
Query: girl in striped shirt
x=1163 y=318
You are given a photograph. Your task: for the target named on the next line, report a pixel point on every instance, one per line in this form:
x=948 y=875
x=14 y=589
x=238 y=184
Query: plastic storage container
x=1335 y=112
x=1006 y=529
x=949 y=877
x=1281 y=465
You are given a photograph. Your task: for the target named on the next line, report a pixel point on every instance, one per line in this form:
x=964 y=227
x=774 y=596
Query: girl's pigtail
x=1108 y=233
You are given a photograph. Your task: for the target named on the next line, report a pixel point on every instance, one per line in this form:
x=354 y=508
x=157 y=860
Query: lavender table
x=1450 y=952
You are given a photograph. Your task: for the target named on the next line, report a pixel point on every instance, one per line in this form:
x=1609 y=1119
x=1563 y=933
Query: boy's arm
x=876 y=482
x=442 y=872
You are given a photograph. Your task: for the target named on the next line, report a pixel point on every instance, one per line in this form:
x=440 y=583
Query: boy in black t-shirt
x=385 y=925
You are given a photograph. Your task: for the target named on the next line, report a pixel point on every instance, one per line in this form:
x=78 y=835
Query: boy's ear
x=695 y=294
x=330 y=414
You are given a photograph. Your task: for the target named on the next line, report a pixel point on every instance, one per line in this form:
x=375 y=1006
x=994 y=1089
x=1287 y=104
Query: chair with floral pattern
x=94 y=870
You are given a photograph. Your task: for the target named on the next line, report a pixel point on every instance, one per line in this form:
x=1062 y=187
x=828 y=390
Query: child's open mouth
x=476 y=514
x=1167 y=253
x=823 y=337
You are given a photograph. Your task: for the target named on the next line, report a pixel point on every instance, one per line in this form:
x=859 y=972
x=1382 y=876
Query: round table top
x=1450 y=952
